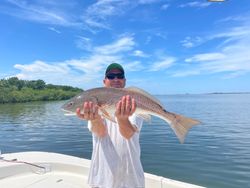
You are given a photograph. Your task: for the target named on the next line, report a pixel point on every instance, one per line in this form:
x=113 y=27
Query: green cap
x=114 y=66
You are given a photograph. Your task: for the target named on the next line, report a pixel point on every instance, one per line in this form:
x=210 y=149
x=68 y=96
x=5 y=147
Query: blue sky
x=165 y=46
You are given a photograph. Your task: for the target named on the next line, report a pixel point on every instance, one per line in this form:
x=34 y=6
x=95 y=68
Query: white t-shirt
x=115 y=160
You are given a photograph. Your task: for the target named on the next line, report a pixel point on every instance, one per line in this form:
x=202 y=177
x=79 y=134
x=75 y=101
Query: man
x=115 y=161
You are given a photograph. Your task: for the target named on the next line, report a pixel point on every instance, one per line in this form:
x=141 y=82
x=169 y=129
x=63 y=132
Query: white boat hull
x=53 y=170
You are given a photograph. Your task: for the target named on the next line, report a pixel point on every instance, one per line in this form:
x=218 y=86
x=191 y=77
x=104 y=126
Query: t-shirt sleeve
x=136 y=121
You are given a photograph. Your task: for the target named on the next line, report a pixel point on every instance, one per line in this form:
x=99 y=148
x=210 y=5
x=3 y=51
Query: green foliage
x=13 y=90
x=36 y=84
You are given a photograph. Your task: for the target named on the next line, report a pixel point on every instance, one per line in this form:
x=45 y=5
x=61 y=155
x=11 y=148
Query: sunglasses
x=112 y=76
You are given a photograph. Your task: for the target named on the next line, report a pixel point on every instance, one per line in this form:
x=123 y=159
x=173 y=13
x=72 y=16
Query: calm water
x=215 y=154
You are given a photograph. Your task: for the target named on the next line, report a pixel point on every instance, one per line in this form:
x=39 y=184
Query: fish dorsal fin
x=143 y=92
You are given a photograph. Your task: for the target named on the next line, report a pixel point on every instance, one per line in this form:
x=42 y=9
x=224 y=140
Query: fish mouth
x=68 y=113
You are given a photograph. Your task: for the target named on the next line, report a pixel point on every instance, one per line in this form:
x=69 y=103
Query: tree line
x=13 y=90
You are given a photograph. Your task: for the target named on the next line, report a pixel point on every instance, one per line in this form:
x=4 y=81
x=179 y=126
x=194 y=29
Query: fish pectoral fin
x=146 y=117
x=107 y=115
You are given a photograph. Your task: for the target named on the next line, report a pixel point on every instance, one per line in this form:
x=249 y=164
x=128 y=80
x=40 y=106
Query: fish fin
x=146 y=117
x=138 y=90
x=180 y=124
x=107 y=115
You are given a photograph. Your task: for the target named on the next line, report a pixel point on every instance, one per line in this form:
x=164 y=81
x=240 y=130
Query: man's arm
x=90 y=113
x=125 y=108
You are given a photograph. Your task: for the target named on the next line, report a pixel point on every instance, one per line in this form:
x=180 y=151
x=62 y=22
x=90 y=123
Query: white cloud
x=185 y=73
x=235 y=74
x=162 y=35
x=38 y=11
x=162 y=64
x=95 y=64
x=196 y=4
x=40 y=66
x=233 y=34
x=190 y=42
x=95 y=23
x=206 y=57
x=134 y=66
x=86 y=72
x=75 y=72
x=122 y=45
x=237 y=58
x=50 y=73
x=230 y=54
x=155 y=32
x=165 y=6
x=55 y=30
x=231 y=57
x=66 y=13
x=238 y=18
x=84 y=43
x=148 y=40
x=97 y=14
x=139 y=53
x=148 y=1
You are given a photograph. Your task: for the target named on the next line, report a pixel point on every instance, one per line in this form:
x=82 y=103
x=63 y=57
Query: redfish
x=146 y=106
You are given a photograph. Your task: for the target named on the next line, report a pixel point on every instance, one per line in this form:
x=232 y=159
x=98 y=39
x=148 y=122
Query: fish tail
x=180 y=124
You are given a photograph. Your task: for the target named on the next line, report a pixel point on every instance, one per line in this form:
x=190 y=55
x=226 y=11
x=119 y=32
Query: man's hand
x=90 y=112
x=125 y=107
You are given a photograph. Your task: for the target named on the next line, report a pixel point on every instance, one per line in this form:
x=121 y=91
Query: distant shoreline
x=215 y=93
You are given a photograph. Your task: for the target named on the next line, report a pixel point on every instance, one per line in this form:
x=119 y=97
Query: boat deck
x=53 y=170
